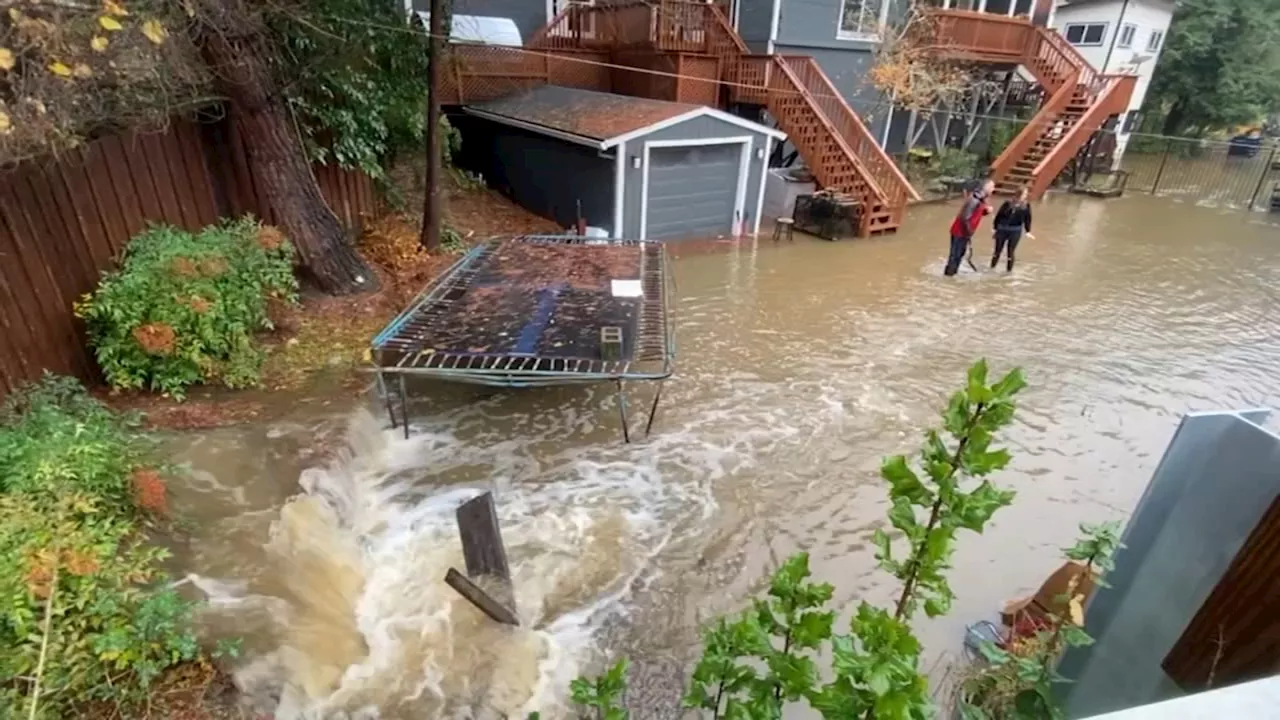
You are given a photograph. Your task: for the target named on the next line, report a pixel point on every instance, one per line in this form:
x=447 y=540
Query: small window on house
x=861 y=19
x=1153 y=42
x=1086 y=33
x=1126 y=36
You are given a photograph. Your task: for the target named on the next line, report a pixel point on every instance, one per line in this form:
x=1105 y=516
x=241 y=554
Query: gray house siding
x=528 y=15
x=754 y=20
x=696 y=128
x=547 y=176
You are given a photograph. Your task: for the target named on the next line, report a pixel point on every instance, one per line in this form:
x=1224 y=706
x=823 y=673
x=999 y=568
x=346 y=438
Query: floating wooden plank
x=478 y=597
x=486 y=559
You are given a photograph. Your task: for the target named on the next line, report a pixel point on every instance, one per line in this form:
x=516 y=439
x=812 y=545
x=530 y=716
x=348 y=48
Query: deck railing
x=979 y=36
x=684 y=26
x=476 y=73
x=1113 y=99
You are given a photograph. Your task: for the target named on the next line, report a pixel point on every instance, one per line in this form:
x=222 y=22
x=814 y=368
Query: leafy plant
x=755 y=663
x=184 y=307
x=1017 y=681
x=953 y=162
x=84 y=614
x=355 y=79
x=604 y=695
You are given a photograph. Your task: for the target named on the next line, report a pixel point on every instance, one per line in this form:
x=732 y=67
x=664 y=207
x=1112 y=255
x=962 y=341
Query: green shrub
x=955 y=163
x=184 y=307
x=83 y=608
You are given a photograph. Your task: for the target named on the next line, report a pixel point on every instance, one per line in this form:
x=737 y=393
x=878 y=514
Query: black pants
x=959 y=245
x=1009 y=239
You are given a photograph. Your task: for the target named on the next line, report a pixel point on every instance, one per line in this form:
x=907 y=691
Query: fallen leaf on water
x=109 y=23
x=111 y=7
x=59 y=69
x=6 y=59
x=98 y=43
x=154 y=31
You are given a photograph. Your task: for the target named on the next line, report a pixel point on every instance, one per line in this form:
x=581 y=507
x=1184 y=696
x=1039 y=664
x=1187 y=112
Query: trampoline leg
x=385 y=392
x=622 y=410
x=653 y=410
x=404 y=407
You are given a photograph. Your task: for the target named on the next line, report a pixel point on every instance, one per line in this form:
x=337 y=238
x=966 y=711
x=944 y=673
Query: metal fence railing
x=1239 y=175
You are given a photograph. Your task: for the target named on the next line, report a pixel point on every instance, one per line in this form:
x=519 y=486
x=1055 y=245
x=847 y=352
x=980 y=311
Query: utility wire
x=874 y=105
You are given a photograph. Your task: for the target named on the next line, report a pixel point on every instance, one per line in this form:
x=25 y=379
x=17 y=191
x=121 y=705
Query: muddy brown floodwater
x=322 y=540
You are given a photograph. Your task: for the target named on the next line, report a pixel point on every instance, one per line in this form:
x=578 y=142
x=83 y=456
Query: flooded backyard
x=322 y=540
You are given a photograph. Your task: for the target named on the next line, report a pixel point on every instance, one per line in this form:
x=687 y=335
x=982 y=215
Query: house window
x=1086 y=33
x=861 y=19
x=1126 y=36
x=1153 y=42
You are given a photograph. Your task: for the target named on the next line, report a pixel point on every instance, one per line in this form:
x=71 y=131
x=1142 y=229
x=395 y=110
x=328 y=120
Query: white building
x=1118 y=36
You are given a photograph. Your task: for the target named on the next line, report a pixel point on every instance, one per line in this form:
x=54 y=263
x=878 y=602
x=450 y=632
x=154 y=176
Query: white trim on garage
x=619 y=188
x=744 y=164
x=695 y=113
x=764 y=175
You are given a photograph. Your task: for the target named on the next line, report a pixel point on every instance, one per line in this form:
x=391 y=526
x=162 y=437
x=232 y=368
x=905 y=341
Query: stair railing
x=1113 y=99
x=884 y=174
x=1039 y=124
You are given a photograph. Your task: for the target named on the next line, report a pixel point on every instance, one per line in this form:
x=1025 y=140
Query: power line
x=875 y=105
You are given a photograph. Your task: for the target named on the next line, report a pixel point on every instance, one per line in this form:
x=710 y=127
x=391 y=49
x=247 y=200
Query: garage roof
x=596 y=119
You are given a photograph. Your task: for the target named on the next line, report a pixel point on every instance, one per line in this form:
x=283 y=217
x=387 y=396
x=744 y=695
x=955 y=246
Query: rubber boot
x=1009 y=265
x=995 y=260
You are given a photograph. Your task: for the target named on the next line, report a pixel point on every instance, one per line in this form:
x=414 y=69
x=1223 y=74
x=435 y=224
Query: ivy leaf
x=98 y=43
x=154 y=31
x=6 y=59
x=903 y=516
x=812 y=630
x=903 y=482
x=878 y=682
x=109 y=23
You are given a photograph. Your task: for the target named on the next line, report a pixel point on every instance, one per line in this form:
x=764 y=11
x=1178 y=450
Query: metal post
x=622 y=411
x=1167 y=147
x=1266 y=171
x=385 y=392
x=653 y=410
x=404 y=407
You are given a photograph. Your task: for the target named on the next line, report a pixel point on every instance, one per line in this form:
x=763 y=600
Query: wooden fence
x=64 y=221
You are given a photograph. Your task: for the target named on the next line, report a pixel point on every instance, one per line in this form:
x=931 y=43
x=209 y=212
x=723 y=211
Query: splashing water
x=365 y=625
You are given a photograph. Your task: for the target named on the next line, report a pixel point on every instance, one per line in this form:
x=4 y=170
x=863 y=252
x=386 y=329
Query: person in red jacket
x=975 y=207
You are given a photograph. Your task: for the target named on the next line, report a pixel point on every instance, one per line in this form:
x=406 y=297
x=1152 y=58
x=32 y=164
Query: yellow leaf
x=109 y=23
x=6 y=58
x=59 y=69
x=81 y=71
x=154 y=31
x=15 y=14
x=5 y=124
x=98 y=43
x=111 y=7
x=1077 y=611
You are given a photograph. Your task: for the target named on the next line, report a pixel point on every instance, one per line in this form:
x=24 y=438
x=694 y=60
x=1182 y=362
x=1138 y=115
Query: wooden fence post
x=486 y=559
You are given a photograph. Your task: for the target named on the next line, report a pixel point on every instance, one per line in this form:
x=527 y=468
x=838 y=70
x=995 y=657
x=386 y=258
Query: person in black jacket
x=1012 y=219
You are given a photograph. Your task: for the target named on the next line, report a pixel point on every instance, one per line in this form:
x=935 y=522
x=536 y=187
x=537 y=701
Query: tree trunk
x=234 y=47
x=1174 y=120
x=431 y=220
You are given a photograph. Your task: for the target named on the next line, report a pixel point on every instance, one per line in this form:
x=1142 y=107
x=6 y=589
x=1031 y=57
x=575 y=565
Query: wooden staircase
x=1078 y=100
x=677 y=36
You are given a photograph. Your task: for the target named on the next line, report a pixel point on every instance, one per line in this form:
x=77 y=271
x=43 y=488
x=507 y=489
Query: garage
x=633 y=167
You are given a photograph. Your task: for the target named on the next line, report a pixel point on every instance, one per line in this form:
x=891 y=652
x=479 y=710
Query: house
x=639 y=168
x=1118 y=36
x=800 y=66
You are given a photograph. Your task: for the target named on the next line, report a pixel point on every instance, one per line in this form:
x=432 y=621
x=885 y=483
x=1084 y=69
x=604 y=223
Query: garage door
x=692 y=190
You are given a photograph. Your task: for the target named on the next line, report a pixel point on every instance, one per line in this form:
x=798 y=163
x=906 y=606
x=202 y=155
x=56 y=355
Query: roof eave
x=691 y=114
x=533 y=127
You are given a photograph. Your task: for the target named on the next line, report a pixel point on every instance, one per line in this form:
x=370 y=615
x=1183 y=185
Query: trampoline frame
x=397 y=355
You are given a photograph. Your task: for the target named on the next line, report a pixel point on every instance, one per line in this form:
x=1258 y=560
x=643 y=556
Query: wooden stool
x=783 y=226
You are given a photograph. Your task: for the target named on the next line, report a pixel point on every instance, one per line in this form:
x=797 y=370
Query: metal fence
x=1209 y=173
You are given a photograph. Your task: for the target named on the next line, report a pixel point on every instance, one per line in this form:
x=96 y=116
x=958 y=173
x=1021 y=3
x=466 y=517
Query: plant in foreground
x=757 y=662
x=1017 y=681
x=84 y=615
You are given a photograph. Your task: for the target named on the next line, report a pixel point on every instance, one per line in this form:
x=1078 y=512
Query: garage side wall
x=549 y=176
x=699 y=128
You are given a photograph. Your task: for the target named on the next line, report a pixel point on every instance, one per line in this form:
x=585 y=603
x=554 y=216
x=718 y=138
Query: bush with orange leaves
x=184 y=308
x=88 y=612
